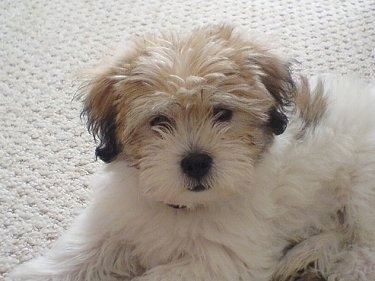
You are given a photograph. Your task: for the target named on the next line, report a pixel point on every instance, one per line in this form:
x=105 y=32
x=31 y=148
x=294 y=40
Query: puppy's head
x=191 y=112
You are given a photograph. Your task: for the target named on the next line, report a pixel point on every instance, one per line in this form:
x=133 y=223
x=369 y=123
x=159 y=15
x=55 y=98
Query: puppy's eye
x=160 y=120
x=222 y=114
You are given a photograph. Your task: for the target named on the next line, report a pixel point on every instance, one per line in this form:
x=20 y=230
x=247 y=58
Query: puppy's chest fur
x=217 y=237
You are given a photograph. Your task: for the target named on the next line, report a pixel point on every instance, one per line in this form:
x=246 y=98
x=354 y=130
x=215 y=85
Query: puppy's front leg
x=181 y=271
x=353 y=264
x=324 y=258
x=85 y=252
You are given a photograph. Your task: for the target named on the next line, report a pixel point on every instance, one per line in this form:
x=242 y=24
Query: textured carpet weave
x=46 y=155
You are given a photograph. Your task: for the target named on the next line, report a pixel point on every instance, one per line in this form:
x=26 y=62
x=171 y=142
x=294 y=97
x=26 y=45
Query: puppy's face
x=192 y=113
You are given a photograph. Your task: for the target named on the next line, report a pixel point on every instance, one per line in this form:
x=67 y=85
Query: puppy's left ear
x=275 y=74
x=277 y=121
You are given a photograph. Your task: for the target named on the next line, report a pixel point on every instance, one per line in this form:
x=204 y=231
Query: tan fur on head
x=172 y=70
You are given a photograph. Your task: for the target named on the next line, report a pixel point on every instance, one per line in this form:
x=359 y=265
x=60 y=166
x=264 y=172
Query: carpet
x=46 y=155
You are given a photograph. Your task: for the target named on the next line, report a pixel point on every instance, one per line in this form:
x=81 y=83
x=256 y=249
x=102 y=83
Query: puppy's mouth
x=177 y=206
x=196 y=188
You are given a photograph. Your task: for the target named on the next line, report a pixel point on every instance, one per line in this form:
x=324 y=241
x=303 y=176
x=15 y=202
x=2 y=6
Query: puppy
x=222 y=166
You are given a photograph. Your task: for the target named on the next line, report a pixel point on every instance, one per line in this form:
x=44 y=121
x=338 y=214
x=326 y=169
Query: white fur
x=295 y=191
x=332 y=167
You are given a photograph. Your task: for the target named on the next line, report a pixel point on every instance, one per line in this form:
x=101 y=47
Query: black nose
x=196 y=165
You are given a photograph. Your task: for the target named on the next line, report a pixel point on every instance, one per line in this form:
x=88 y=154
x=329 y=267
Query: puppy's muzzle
x=196 y=165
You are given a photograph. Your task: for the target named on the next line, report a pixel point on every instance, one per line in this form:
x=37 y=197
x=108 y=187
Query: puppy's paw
x=309 y=274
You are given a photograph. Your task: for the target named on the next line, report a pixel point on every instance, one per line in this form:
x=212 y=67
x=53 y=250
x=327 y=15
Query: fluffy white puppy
x=222 y=167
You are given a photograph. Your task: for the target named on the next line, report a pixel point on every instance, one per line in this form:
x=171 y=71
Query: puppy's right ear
x=100 y=112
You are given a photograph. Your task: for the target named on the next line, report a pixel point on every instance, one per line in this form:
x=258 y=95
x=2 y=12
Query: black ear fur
x=100 y=112
x=104 y=132
x=277 y=121
x=277 y=79
x=108 y=147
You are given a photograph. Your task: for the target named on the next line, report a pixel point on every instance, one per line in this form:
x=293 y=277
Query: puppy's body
x=323 y=185
x=205 y=184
